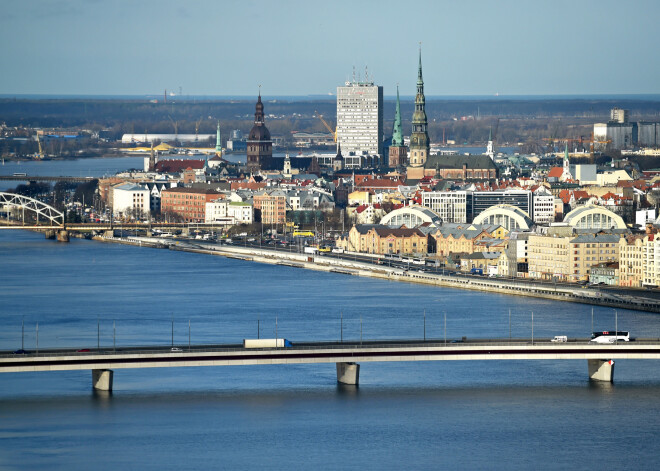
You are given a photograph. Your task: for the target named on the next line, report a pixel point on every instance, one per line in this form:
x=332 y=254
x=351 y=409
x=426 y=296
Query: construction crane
x=333 y=132
x=197 y=123
x=176 y=128
x=40 y=155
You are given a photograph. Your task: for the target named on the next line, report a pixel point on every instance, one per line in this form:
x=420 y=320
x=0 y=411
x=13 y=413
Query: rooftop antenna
x=353 y=74
x=366 y=73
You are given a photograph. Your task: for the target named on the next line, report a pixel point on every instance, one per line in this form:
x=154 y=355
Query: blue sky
x=206 y=47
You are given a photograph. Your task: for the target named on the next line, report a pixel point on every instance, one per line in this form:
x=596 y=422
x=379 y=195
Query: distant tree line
x=463 y=120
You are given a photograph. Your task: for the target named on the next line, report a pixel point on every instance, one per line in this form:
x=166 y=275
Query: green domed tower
x=419 y=139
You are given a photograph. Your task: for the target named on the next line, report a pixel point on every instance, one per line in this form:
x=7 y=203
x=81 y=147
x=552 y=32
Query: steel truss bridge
x=44 y=212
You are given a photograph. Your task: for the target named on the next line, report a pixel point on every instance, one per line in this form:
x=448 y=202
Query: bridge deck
x=150 y=357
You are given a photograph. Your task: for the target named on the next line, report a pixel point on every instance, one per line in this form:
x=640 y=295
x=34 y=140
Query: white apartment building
x=651 y=261
x=228 y=212
x=130 y=199
x=543 y=203
x=360 y=118
x=451 y=206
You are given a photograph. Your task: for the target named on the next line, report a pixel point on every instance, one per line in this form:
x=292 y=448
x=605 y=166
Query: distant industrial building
x=360 y=118
x=648 y=134
x=619 y=133
x=307 y=139
x=236 y=141
x=145 y=138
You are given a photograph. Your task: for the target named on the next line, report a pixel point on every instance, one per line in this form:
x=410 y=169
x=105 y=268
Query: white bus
x=610 y=337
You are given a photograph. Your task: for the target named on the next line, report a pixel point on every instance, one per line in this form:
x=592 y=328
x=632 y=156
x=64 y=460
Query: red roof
x=379 y=183
x=556 y=172
x=178 y=165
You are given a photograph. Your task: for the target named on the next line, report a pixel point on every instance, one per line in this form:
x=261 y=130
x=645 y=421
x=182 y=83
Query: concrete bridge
x=600 y=358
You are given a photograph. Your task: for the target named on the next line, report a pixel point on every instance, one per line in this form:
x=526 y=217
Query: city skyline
x=295 y=48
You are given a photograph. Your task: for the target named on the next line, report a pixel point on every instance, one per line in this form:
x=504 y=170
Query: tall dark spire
x=419 y=139
x=420 y=80
x=259 y=145
x=259 y=110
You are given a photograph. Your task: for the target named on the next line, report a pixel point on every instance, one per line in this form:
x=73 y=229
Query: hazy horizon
x=308 y=48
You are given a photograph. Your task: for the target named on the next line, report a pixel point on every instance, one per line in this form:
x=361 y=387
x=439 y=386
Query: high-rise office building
x=360 y=118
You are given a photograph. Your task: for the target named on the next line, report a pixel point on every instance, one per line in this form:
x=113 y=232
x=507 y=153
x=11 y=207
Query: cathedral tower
x=259 y=144
x=419 y=139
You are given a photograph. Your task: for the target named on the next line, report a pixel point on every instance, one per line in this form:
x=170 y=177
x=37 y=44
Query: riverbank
x=346 y=266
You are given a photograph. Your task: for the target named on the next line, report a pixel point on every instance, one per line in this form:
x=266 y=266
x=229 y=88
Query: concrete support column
x=50 y=234
x=601 y=370
x=110 y=233
x=63 y=235
x=348 y=373
x=102 y=380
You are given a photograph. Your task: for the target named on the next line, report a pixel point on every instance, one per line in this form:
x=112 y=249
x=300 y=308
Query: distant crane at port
x=176 y=128
x=327 y=126
x=197 y=123
x=40 y=155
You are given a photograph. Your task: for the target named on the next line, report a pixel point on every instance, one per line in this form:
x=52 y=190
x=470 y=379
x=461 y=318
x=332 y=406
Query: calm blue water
x=76 y=168
x=425 y=415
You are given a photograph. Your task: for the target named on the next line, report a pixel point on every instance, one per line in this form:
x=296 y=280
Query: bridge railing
x=347 y=345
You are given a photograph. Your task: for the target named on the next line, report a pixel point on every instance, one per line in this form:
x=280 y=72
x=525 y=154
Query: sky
x=309 y=47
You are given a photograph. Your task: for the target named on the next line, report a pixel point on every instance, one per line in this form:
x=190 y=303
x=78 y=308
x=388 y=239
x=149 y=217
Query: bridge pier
x=601 y=370
x=348 y=373
x=109 y=234
x=63 y=235
x=102 y=380
x=50 y=234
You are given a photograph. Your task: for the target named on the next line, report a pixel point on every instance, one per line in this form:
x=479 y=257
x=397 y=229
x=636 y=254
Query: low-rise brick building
x=187 y=203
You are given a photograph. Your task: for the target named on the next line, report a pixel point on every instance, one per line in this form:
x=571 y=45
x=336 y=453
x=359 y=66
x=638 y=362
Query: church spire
x=218 y=140
x=420 y=80
x=397 y=132
x=419 y=139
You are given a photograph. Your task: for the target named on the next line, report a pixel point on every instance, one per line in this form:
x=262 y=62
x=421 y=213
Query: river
x=424 y=415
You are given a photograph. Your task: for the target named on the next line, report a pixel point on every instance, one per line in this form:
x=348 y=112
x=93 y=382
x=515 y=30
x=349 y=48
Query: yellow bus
x=303 y=233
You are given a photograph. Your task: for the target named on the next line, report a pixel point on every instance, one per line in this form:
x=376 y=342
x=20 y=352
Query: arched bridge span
x=42 y=210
